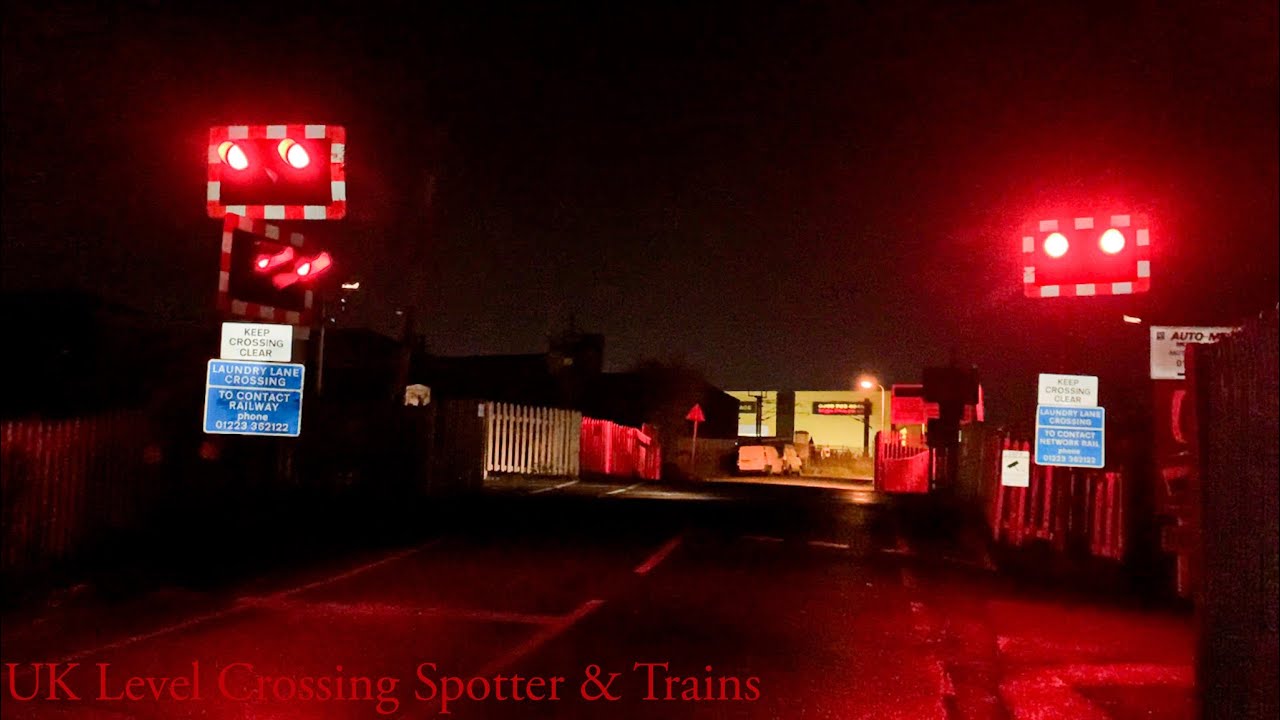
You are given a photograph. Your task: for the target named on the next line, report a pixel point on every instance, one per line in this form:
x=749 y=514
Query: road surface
x=724 y=600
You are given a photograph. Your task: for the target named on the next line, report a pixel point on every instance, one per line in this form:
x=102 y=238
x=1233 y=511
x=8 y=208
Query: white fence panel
x=528 y=440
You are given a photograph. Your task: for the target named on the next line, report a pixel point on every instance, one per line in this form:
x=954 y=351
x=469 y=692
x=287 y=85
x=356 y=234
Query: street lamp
x=868 y=382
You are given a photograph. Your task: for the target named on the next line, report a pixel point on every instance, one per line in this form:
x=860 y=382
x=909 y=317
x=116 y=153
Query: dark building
x=360 y=364
x=557 y=378
x=71 y=353
x=570 y=375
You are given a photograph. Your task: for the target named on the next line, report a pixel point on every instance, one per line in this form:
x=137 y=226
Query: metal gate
x=523 y=440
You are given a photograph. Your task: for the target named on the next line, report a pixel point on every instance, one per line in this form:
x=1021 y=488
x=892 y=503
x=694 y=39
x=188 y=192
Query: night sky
x=780 y=195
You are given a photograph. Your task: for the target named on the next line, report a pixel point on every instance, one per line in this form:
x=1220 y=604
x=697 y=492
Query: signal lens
x=1112 y=241
x=315 y=265
x=233 y=155
x=294 y=154
x=1056 y=245
x=268 y=262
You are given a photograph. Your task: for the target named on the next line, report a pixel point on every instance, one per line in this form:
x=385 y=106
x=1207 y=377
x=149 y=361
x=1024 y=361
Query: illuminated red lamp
x=266 y=263
x=233 y=155
x=293 y=153
x=1056 y=245
x=315 y=266
x=277 y=172
x=1103 y=254
x=1112 y=241
x=306 y=270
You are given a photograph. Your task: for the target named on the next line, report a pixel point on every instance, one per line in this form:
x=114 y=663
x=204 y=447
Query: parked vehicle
x=792 y=463
x=759 y=459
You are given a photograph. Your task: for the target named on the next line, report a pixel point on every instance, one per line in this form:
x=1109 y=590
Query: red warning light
x=233 y=155
x=272 y=293
x=293 y=153
x=270 y=262
x=1056 y=245
x=1112 y=241
x=306 y=270
x=315 y=266
x=1096 y=254
x=277 y=172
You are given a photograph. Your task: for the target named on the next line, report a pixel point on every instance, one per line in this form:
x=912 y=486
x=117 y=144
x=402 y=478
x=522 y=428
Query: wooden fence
x=67 y=482
x=608 y=448
x=1071 y=509
x=901 y=468
x=527 y=440
x=1234 y=538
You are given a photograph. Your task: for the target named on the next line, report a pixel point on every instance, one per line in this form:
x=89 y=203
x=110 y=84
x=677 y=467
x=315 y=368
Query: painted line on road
x=166 y=630
x=909 y=580
x=554 y=487
x=829 y=544
x=763 y=538
x=538 y=639
x=619 y=491
x=353 y=572
x=393 y=610
x=659 y=555
x=947 y=686
x=902 y=548
x=240 y=606
x=1052 y=693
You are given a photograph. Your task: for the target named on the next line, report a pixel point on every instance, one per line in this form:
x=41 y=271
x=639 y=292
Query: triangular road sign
x=695 y=414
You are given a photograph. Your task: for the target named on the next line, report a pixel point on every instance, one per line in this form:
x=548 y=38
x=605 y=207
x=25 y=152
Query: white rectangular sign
x=1169 y=348
x=1015 y=468
x=1068 y=390
x=257 y=341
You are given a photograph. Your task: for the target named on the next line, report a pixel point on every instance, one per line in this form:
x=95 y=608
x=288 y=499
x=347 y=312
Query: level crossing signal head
x=1098 y=254
x=277 y=172
x=269 y=274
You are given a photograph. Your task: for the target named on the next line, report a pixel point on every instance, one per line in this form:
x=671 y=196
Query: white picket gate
x=531 y=440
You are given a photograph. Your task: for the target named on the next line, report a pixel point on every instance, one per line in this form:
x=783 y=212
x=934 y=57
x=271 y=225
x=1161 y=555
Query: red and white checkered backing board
x=334 y=210
x=254 y=311
x=1141 y=281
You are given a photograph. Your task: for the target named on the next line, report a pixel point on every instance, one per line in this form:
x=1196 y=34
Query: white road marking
x=896 y=551
x=829 y=544
x=353 y=572
x=554 y=487
x=240 y=606
x=909 y=579
x=762 y=538
x=1050 y=693
x=392 y=610
x=539 y=639
x=619 y=491
x=658 y=556
x=947 y=686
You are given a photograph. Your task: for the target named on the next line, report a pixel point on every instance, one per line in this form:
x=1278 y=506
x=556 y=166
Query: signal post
x=266 y=183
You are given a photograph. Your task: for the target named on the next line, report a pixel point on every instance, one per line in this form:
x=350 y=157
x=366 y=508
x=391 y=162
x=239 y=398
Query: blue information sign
x=253 y=398
x=1070 y=436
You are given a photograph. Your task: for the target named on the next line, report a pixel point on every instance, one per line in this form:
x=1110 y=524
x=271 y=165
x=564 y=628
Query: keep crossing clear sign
x=253 y=398
x=1070 y=436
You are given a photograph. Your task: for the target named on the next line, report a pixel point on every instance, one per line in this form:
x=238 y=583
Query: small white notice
x=1068 y=390
x=1015 y=468
x=257 y=341
x=1169 y=348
